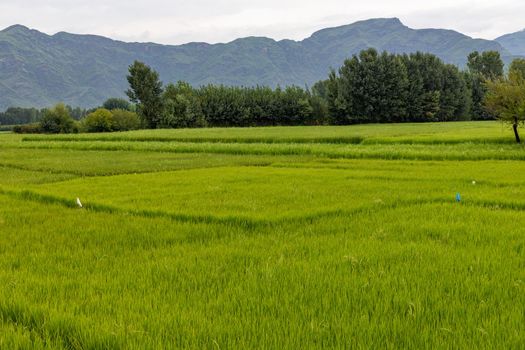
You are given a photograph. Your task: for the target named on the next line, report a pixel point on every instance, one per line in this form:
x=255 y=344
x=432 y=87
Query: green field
x=264 y=238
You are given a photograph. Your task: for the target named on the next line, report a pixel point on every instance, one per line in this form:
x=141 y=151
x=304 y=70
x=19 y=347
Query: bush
x=28 y=129
x=57 y=120
x=100 y=120
x=124 y=120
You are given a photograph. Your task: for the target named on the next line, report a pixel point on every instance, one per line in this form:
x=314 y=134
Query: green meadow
x=264 y=238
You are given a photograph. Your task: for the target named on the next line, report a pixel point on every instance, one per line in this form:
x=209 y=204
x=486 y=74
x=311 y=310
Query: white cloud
x=178 y=21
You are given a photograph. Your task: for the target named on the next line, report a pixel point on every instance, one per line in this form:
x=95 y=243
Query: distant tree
x=181 y=107
x=488 y=64
x=116 y=103
x=77 y=113
x=100 y=120
x=482 y=68
x=319 y=110
x=391 y=105
x=430 y=106
x=146 y=91
x=477 y=88
x=57 y=120
x=295 y=106
x=17 y=115
x=454 y=99
x=370 y=87
x=518 y=67
x=506 y=99
x=320 y=89
x=125 y=120
x=338 y=106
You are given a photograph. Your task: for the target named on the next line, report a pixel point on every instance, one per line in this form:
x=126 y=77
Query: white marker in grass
x=79 y=203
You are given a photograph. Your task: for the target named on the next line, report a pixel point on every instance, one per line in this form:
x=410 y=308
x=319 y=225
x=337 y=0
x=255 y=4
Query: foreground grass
x=362 y=280
x=272 y=250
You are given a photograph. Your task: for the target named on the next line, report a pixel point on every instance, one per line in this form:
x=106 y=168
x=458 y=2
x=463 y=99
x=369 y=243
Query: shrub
x=124 y=120
x=100 y=120
x=34 y=128
x=57 y=120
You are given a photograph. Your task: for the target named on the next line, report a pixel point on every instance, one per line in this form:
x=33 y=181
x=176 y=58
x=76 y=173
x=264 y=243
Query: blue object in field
x=458 y=197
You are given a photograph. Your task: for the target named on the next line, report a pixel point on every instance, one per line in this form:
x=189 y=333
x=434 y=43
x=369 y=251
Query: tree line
x=369 y=87
x=387 y=88
x=115 y=114
x=505 y=96
x=20 y=115
x=182 y=106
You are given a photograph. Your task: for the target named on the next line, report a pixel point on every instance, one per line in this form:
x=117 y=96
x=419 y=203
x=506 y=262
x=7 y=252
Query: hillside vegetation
x=39 y=70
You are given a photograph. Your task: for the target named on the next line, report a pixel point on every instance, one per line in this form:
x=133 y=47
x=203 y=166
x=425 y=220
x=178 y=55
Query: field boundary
x=252 y=223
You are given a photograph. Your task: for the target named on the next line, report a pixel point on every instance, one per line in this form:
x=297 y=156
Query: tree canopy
x=145 y=89
x=506 y=99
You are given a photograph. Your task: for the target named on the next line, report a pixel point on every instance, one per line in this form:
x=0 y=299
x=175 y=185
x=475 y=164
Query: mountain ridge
x=513 y=42
x=38 y=69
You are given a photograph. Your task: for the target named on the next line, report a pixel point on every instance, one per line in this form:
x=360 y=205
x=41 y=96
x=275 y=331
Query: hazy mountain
x=38 y=70
x=514 y=43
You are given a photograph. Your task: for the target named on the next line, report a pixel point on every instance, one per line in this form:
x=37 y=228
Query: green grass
x=431 y=132
x=183 y=246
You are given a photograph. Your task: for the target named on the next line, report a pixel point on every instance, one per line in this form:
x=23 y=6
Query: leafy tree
x=488 y=64
x=454 y=99
x=146 y=91
x=17 y=115
x=482 y=67
x=391 y=98
x=57 y=120
x=506 y=99
x=319 y=110
x=320 y=89
x=100 y=120
x=116 y=103
x=125 y=120
x=518 y=67
x=295 y=106
x=338 y=105
x=182 y=107
x=430 y=106
x=76 y=113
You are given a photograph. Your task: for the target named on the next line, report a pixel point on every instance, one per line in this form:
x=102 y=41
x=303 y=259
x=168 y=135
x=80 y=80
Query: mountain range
x=39 y=70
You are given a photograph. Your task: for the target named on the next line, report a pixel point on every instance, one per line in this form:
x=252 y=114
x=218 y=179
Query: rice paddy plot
x=264 y=238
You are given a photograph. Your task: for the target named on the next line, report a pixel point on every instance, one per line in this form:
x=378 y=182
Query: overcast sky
x=181 y=21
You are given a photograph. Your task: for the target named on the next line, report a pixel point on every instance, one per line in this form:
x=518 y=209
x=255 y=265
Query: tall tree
x=146 y=91
x=454 y=96
x=482 y=68
x=391 y=99
x=181 y=107
x=488 y=64
x=506 y=99
x=518 y=67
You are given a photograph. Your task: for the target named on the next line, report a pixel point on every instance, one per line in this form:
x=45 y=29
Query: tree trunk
x=515 y=128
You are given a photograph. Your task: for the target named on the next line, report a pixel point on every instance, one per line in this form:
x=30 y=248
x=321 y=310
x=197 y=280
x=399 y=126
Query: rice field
x=272 y=238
